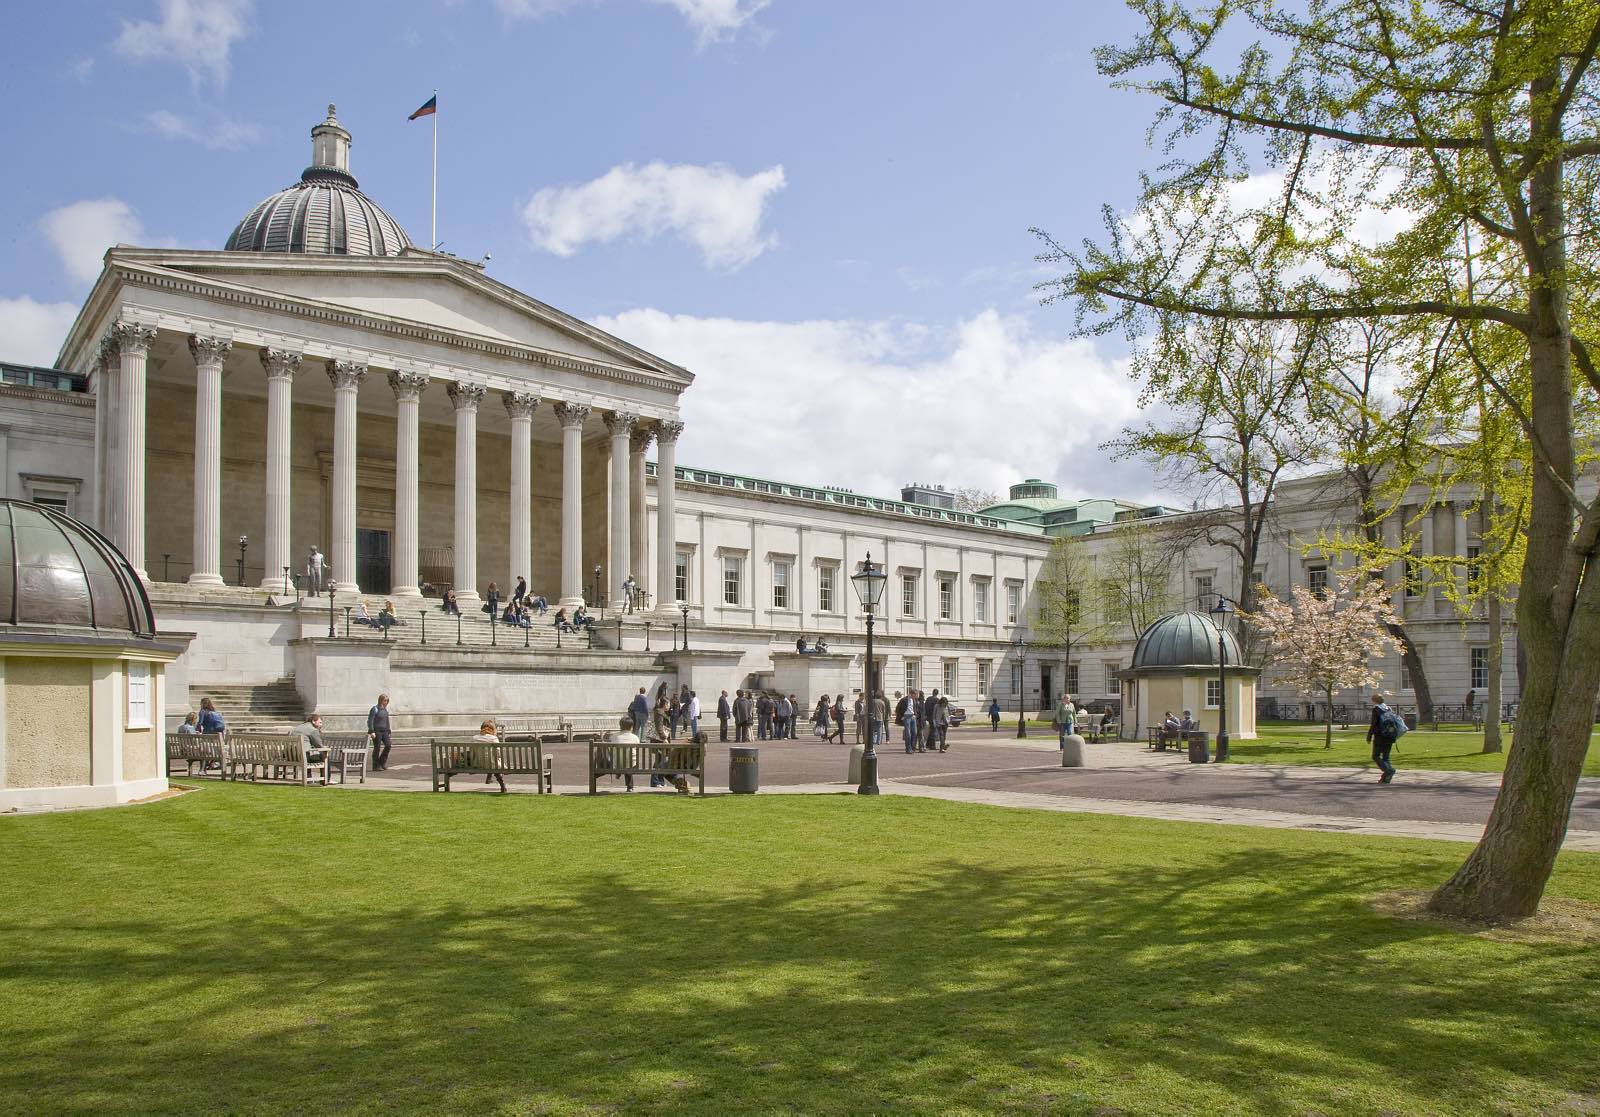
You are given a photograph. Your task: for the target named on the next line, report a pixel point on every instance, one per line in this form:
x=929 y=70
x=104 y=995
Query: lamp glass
x=869 y=582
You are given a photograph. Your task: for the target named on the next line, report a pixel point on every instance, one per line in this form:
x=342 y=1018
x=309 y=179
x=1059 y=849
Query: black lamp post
x=869 y=581
x=595 y=600
x=244 y=541
x=1219 y=614
x=1022 y=686
x=685 y=608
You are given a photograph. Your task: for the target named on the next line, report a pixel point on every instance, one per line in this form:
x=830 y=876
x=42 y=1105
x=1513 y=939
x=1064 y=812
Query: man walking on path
x=876 y=718
x=1381 y=733
x=694 y=716
x=764 y=716
x=781 y=715
x=639 y=710
x=724 y=711
x=378 y=728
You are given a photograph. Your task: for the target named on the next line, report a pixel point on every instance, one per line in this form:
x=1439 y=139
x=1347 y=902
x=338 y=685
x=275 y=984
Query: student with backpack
x=1387 y=727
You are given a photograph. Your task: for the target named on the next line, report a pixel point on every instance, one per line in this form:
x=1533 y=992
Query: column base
x=571 y=602
x=410 y=593
x=275 y=585
x=466 y=598
x=206 y=581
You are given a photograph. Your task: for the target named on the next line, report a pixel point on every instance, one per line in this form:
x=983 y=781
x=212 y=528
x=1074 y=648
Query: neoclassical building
x=323 y=382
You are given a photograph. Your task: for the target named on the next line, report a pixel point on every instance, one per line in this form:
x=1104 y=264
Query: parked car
x=958 y=714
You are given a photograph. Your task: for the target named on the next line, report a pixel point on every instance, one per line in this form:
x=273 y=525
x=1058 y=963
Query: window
x=985 y=673
x=980 y=600
x=1113 y=684
x=1405 y=669
x=1072 y=678
x=58 y=494
x=680 y=575
x=825 y=577
x=1480 y=668
x=732 y=576
x=1203 y=592
x=1411 y=571
x=947 y=597
x=780 y=585
x=950 y=671
x=1213 y=693
x=1016 y=679
x=1013 y=601
x=57 y=500
x=138 y=695
x=1317 y=580
x=913 y=674
x=1474 y=567
x=908 y=595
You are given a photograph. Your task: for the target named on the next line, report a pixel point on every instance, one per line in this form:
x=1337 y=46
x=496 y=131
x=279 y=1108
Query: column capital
x=668 y=430
x=641 y=439
x=131 y=338
x=465 y=396
x=347 y=375
x=280 y=364
x=408 y=385
x=209 y=350
x=520 y=405
x=620 y=423
x=570 y=415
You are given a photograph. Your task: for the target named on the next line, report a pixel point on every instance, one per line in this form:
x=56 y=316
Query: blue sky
x=819 y=207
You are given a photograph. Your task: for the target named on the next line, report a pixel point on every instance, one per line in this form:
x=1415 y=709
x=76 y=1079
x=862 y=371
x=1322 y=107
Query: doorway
x=372 y=560
x=1047 y=699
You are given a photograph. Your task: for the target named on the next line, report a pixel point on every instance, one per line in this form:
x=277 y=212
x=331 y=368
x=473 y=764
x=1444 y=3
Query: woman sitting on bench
x=486 y=736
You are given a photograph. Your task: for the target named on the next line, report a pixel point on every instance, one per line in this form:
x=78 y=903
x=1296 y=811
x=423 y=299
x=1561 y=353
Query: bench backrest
x=611 y=756
x=194 y=746
x=479 y=756
x=265 y=748
x=344 y=742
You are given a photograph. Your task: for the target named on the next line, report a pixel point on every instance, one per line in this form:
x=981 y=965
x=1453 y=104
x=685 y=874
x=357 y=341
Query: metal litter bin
x=1410 y=720
x=744 y=769
x=1199 y=747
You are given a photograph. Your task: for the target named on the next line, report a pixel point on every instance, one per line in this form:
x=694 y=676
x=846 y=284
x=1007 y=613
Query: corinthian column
x=280 y=366
x=620 y=424
x=408 y=388
x=465 y=398
x=347 y=377
x=571 y=416
x=520 y=406
x=666 y=512
x=133 y=347
x=209 y=353
x=639 y=559
x=107 y=475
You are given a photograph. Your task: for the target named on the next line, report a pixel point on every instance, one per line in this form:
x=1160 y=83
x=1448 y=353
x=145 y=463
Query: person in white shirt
x=694 y=716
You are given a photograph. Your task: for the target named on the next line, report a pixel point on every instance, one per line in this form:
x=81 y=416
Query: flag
x=429 y=107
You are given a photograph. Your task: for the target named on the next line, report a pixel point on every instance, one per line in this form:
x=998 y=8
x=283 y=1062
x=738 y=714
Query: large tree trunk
x=1327 y=726
x=1419 y=677
x=1558 y=608
x=1491 y=713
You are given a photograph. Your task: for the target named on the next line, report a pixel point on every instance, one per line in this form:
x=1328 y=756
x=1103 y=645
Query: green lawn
x=1458 y=749
x=269 y=948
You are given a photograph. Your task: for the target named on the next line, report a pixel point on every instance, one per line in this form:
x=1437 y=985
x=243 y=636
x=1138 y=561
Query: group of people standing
x=775 y=719
x=924 y=720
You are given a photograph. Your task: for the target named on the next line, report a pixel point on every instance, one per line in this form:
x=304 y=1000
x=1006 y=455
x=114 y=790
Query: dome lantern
x=325 y=213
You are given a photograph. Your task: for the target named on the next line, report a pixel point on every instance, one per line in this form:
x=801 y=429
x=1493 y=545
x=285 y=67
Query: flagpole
x=433 y=227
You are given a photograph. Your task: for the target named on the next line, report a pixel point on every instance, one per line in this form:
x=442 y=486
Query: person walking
x=724 y=711
x=781 y=713
x=838 y=718
x=1063 y=720
x=941 y=723
x=861 y=717
x=794 y=718
x=694 y=717
x=1385 y=729
x=930 y=706
x=908 y=722
x=877 y=715
x=378 y=728
x=639 y=710
x=819 y=717
x=764 y=716
x=741 y=717
x=491 y=601
x=994 y=714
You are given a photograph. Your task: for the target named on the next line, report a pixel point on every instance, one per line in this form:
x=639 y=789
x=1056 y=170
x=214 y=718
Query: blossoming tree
x=1320 y=643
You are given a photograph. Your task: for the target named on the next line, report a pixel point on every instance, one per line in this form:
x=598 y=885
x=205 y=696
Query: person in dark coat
x=639 y=710
x=1381 y=739
x=741 y=716
x=491 y=601
x=378 y=729
x=724 y=712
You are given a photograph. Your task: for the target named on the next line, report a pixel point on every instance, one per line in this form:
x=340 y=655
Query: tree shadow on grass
x=1255 y=982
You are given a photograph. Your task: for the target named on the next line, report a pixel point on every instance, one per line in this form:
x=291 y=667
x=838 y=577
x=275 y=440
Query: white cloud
x=715 y=20
x=199 y=34
x=713 y=208
x=31 y=332
x=81 y=233
x=81 y=68
x=872 y=405
x=220 y=134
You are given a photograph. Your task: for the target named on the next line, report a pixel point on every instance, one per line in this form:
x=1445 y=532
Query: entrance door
x=372 y=560
x=1047 y=698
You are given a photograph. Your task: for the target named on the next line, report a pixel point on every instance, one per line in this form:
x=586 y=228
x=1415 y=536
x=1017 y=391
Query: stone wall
x=48 y=722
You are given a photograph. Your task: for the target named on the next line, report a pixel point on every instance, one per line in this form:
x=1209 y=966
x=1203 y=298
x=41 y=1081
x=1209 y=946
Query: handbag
x=486 y=607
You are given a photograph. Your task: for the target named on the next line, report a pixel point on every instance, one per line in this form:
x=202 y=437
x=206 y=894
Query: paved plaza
x=1121 y=778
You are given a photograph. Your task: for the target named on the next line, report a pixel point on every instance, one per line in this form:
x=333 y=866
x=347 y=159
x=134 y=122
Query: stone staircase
x=440 y=629
x=255 y=709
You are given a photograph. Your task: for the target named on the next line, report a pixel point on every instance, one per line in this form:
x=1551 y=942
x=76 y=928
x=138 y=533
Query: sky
x=819 y=207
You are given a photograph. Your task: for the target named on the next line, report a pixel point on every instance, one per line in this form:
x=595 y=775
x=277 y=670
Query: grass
x=1446 y=749
x=268 y=948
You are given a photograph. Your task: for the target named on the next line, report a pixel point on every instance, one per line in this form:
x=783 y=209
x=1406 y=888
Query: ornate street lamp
x=244 y=541
x=1022 y=685
x=685 y=608
x=595 y=600
x=1219 y=615
x=869 y=581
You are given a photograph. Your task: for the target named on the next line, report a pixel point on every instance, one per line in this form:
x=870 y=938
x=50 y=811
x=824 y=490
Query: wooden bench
x=347 y=751
x=590 y=727
x=536 y=727
x=189 y=749
x=271 y=756
x=608 y=758
x=513 y=758
x=1161 y=740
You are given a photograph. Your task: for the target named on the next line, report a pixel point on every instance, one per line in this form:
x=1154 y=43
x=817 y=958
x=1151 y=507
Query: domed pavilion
x=1174 y=668
x=81 y=667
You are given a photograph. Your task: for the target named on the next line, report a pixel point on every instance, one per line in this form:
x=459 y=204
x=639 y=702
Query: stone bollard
x=1072 y=751
x=854 y=773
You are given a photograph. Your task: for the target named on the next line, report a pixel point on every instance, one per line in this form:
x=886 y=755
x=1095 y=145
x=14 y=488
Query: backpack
x=1391 y=724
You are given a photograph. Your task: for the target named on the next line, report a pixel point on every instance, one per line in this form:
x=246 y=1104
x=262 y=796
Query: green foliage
x=270 y=949
x=1064 y=598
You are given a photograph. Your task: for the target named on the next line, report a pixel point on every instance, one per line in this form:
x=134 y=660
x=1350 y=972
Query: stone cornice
x=52 y=395
x=161 y=271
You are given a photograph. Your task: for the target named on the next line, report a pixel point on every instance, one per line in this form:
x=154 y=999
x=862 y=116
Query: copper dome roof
x=56 y=572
